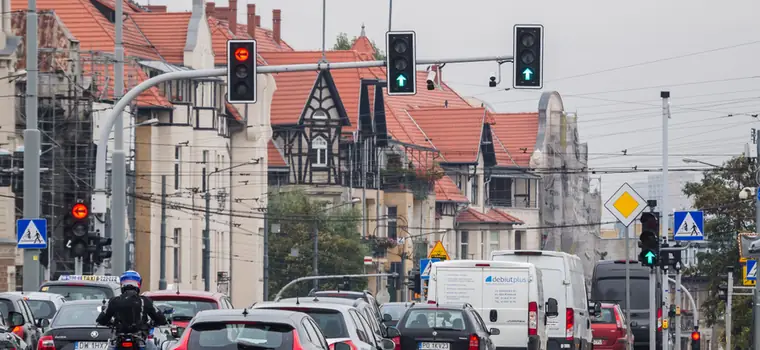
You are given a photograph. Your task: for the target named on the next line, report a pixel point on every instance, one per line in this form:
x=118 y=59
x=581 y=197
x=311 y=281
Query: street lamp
x=207 y=232
x=692 y=161
x=315 y=261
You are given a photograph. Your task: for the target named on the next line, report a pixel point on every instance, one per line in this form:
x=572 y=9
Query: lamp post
x=692 y=161
x=315 y=228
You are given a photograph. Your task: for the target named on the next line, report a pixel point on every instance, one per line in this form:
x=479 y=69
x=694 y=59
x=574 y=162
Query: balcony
x=506 y=192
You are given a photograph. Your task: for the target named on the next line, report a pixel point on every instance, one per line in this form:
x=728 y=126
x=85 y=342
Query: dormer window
x=319 y=114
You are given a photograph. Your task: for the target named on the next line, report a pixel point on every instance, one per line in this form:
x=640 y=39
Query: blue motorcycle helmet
x=130 y=280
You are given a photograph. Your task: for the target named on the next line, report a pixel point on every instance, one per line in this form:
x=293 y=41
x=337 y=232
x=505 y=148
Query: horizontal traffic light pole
x=675 y=249
x=311 y=278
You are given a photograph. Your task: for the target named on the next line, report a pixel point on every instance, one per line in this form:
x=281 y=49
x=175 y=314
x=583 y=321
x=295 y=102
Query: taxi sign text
x=93 y=278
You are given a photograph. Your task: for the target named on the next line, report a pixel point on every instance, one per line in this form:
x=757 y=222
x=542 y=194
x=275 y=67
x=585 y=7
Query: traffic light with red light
x=77 y=229
x=695 y=338
x=649 y=239
x=241 y=71
x=401 y=63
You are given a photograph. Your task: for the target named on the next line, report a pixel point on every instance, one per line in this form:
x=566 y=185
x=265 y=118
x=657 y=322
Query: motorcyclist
x=130 y=312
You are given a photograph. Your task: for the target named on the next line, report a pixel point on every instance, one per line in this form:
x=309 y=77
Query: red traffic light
x=79 y=211
x=695 y=336
x=241 y=54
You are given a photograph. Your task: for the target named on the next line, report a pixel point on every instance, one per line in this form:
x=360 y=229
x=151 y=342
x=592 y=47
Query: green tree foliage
x=341 y=250
x=725 y=216
x=343 y=43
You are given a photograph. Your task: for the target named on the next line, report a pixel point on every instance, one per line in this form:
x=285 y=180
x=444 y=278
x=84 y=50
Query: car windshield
x=331 y=322
x=607 y=316
x=42 y=308
x=435 y=318
x=240 y=336
x=614 y=289
x=186 y=309
x=76 y=315
x=72 y=292
x=395 y=310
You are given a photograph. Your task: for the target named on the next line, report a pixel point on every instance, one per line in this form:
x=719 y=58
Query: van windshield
x=613 y=289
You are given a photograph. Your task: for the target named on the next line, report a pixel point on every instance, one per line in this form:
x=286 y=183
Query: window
x=204 y=161
x=177 y=255
x=500 y=192
x=435 y=318
x=319 y=114
x=493 y=242
x=319 y=151
x=474 y=191
x=518 y=239
x=464 y=237
x=392 y=223
x=177 y=166
x=361 y=330
x=232 y=336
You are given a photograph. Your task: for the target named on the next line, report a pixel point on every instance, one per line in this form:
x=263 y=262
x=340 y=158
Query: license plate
x=434 y=346
x=598 y=341
x=92 y=345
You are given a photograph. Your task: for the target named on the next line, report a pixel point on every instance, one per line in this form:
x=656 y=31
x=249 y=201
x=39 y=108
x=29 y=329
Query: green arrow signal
x=650 y=257
x=401 y=80
x=527 y=73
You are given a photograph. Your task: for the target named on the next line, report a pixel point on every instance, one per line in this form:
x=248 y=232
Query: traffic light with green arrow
x=528 y=56
x=401 y=63
x=649 y=239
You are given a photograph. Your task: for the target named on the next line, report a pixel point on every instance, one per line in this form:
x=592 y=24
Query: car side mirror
x=387 y=318
x=341 y=346
x=388 y=344
x=552 y=308
x=42 y=322
x=392 y=333
x=15 y=319
x=494 y=331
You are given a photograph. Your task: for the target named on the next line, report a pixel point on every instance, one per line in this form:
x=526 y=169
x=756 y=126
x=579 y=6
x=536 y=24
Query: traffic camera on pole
x=401 y=63
x=528 y=56
x=78 y=229
x=649 y=239
x=241 y=71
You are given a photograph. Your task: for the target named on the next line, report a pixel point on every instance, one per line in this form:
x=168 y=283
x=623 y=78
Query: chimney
x=252 y=20
x=221 y=13
x=258 y=21
x=210 y=9
x=276 y=19
x=156 y=8
x=232 y=18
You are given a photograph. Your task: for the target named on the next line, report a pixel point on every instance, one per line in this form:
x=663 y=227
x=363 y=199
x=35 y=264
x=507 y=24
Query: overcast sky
x=608 y=59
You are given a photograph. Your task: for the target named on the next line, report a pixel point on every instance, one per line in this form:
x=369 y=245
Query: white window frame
x=177 y=168
x=177 y=254
x=464 y=244
x=493 y=245
x=319 y=145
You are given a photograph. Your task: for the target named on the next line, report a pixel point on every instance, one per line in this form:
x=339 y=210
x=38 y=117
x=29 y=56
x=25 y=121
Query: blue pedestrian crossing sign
x=425 y=265
x=31 y=233
x=751 y=270
x=689 y=226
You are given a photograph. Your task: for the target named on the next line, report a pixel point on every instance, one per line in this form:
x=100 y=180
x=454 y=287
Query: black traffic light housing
x=100 y=248
x=401 y=62
x=649 y=239
x=695 y=338
x=416 y=280
x=723 y=291
x=241 y=71
x=77 y=230
x=528 y=56
x=664 y=257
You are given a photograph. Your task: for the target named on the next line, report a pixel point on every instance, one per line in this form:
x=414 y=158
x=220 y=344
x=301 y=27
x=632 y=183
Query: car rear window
x=42 y=308
x=395 y=310
x=234 y=336
x=607 y=316
x=435 y=318
x=79 y=292
x=76 y=315
x=186 y=308
x=331 y=322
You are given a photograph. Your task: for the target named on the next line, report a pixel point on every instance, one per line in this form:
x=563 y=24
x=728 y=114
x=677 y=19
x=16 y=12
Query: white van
x=564 y=280
x=508 y=296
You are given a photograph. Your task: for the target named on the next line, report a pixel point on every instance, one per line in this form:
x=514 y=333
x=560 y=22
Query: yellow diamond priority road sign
x=626 y=204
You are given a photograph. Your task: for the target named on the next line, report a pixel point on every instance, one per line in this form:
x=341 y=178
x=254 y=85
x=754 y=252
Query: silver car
x=43 y=305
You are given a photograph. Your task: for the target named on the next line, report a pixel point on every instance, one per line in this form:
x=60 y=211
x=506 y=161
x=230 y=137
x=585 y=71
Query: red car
x=610 y=328
x=187 y=304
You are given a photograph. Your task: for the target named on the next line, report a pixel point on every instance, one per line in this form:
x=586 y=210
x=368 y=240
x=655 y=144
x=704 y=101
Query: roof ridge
x=150 y=44
x=422 y=131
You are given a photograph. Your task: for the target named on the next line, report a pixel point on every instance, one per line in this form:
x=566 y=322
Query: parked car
x=442 y=327
x=610 y=328
x=394 y=311
x=233 y=329
x=19 y=318
x=339 y=323
x=43 y=305
x=84 y=287
x=187 y=304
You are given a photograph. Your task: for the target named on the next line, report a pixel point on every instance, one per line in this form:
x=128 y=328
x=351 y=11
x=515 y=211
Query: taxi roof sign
x=439 y=252
x=94 y=278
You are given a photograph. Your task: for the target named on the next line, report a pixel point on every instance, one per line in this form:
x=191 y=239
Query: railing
x=517 y=202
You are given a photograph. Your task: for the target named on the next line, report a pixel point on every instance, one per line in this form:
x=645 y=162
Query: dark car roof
x=185 y=293
x=255 y=315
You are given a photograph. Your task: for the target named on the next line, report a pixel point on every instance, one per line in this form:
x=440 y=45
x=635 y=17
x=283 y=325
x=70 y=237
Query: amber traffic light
x=241 y=71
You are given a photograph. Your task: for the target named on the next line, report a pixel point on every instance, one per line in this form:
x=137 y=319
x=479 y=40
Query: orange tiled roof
x=503 y=216
x=129 y=7
x=447 y=191
x=472 y=216
x=363 y=45
x=274 y=156
x=167 y=31
x=264 y=38
x=220 y=33
x=455 y=132
x=514 y=138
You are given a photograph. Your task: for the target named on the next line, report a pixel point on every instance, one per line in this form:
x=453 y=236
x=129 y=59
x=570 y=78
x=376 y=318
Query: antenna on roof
x=245 y=312
x=298 y=302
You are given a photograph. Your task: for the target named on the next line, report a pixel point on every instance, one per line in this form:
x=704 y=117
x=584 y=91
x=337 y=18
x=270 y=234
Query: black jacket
x=130 y=313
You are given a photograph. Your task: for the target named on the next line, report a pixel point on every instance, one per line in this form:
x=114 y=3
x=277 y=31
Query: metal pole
x=32 y=148
x=119 y=167
x=691 y=301
x=78 y=266
x=266 y=256
x=678 y=309
x=315 y=258
x=206 y=268
x=627 y=280
x=756 y=297
x=402 y=274
x=652 y=310
x=364 y=189
x=729 y=309
x=324 y=29
x=390 y=14
x=162 y=259
x=664 y=205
